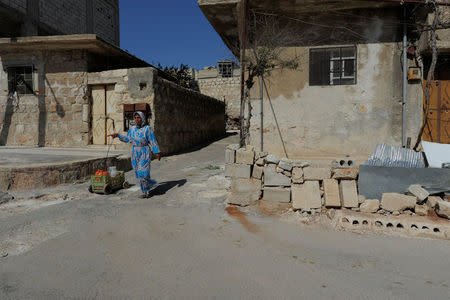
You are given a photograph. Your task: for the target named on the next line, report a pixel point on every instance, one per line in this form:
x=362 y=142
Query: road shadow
x=164 y=187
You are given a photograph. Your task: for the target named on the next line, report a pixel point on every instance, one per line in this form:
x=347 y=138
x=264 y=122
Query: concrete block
x=418 y=191
x=285 y=164
x=244 y=192
x=316 y=173
x=277 y=194
x=397 y=202
x=237 y=171
x=257 y=172
x=272 y=178
x=297 y=175
x=272 y=159
x=306 y=196
x=370 y=206
x=348 y=193
x=346 y=174
x=230 y=156
x=331 y=193
x=245 y=157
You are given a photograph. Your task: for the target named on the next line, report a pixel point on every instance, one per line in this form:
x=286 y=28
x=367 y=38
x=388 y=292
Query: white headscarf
x=140 y=114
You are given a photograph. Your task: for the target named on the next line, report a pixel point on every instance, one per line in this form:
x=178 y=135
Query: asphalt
x=65 y=243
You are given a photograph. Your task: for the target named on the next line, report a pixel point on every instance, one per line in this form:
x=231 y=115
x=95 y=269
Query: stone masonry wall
x=224 y=89
x=181 y=118
x=185 y=118
x=55 y=109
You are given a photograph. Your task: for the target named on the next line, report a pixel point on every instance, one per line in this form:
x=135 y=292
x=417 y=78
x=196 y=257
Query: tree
x=182 y=75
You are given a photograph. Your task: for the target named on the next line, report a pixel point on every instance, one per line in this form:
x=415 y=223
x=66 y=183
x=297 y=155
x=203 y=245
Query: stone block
x=370 y=206
x=397 y=202
x=297 y=175
x=331 y=193
x=272 y=178
x=272 y=159
x=443 y=208
x=306 y=196
x=277 y=194
x=418 y=191
x=421 y=210
x=230 y=156
x=432 y=201
x=245 y=157
x=349 y=193
x=316 y=173
x=244 y=192
x=257 y=172
x=237 y=171
x=300 y=163
x=234 y=147
x=285 y=164
x=260 y=162
x=346 y=174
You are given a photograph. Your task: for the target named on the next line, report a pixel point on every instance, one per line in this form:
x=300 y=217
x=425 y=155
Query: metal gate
x=437 y=128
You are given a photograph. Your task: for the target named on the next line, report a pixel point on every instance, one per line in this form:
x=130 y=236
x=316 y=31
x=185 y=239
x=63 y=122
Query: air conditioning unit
x=414 y=73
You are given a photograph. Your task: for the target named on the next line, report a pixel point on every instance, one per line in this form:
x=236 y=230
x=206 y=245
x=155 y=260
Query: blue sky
x=170 y=32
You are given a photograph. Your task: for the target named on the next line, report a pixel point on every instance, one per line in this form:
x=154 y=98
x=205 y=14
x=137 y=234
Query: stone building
x=56 y=17
x=222 y=82
x=73 y=90
x=346 y=95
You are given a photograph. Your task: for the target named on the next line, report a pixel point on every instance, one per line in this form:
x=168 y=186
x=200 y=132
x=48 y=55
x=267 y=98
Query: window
x=20 y=80
x=226 y=69
x=332 y=66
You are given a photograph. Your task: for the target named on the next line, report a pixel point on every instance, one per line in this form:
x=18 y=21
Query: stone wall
x=310 y=188
x=224 y=89
x=181 y=118
x=55 y=109
x=185 y=118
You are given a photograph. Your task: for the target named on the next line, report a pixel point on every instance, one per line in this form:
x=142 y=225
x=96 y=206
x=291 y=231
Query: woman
x=143 y=139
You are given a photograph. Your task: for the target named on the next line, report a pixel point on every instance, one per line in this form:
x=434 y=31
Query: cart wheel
x=107 y=189
x=90 y=189
x=125 y=185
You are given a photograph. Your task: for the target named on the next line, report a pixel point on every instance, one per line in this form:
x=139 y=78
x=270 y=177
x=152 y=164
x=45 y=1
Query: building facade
x=54 y=17
x=346 y=94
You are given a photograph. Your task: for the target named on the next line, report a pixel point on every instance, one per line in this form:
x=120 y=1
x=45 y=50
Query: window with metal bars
x=332 y=66
x=226 y=69
x=20 y=80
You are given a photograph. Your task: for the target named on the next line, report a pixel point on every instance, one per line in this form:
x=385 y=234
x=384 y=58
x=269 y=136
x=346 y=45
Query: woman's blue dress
x=144 y=143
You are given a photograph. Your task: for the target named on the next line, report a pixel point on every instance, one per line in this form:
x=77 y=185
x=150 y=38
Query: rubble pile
x=313 y=189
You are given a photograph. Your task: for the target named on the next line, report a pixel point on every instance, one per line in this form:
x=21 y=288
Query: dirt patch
x=234 y=212
x=273 y=208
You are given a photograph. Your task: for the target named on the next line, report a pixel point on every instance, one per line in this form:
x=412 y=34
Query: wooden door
x=98 y=115
x=437 y=128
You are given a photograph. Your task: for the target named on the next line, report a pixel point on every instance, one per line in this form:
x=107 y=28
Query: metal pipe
x=242 y=60
x=405 y=77
x=261 y=93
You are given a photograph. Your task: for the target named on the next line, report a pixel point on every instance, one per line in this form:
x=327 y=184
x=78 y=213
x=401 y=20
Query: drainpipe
x=261 y=93
x=405 y=77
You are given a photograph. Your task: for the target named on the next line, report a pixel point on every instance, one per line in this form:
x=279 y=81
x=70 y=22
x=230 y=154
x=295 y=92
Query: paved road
x=182 y=243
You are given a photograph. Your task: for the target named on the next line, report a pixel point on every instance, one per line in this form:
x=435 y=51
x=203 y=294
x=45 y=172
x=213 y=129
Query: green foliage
x=181 y=74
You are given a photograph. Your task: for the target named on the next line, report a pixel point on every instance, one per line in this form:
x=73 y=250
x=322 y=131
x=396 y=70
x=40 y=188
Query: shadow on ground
x=164 y=187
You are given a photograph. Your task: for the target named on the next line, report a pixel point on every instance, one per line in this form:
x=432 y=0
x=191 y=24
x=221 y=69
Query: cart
x=106 y=184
